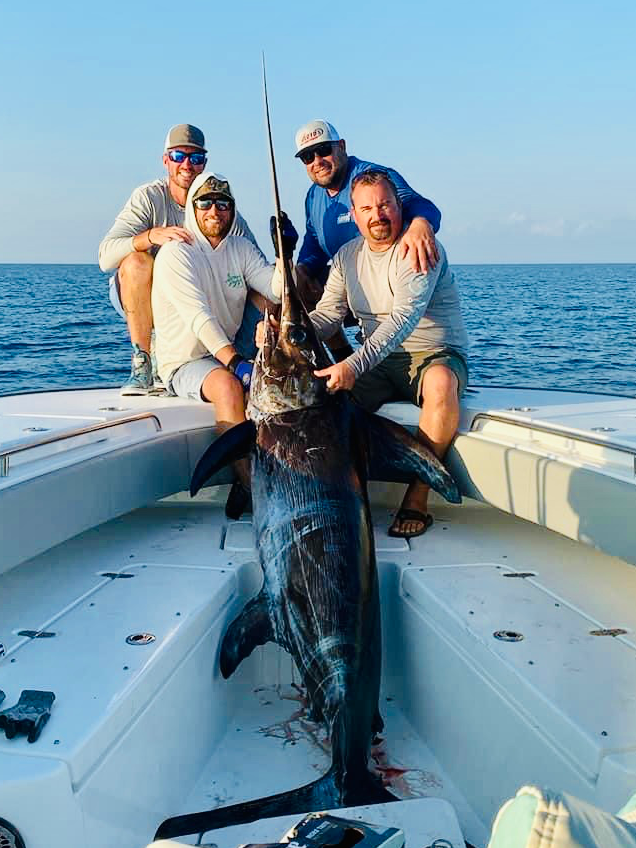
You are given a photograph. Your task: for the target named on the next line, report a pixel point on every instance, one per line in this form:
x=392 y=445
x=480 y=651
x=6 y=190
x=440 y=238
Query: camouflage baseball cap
x=216 y=185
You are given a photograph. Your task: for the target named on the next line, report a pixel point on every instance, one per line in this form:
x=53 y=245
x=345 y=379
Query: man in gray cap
x=329 y=223
x=153 y=216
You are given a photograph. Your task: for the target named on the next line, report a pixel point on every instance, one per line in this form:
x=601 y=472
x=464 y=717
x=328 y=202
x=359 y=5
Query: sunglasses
x=322 y=150
x=209 y=202
x=180 y=156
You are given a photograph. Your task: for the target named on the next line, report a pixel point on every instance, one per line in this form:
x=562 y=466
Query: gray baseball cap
x=313 y=133
x=215 y=186
x=185 y=135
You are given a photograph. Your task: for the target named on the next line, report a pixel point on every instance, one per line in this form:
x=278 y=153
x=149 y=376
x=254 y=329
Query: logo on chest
x=345 y=218
x=235 y=281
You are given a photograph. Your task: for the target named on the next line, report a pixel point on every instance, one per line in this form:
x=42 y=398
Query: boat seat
x=124 y=631
x=534 y=672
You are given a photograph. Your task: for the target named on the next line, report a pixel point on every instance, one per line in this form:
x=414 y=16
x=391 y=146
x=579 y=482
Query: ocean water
x=555 y=326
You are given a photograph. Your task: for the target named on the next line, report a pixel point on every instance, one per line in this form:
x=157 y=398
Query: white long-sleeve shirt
x=199 y=292
x=198 y=299
x=396 y=308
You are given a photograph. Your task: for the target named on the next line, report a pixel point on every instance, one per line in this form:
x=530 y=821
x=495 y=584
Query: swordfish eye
x=297 y=335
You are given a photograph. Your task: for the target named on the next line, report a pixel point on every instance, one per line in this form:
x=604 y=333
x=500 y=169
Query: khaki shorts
x=187 y=380
x=401 y=374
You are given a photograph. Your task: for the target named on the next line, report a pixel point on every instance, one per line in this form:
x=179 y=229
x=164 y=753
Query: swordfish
x=312 y=454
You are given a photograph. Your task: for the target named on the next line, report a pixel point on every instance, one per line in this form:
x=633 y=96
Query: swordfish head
x=283 y=379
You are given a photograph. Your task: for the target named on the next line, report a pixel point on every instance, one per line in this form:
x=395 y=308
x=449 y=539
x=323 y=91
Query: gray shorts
x=188 y=378
x=401 y=374
x=115 y=295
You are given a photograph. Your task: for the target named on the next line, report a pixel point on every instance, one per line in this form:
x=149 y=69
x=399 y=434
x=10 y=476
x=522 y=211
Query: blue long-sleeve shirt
x=329 y=223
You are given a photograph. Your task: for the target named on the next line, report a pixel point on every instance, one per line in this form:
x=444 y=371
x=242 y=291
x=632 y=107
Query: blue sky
x=517 y=119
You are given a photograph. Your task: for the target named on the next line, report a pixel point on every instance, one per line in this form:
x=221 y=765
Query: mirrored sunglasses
x=324 y=149
x=179 y=156
x=209 y=202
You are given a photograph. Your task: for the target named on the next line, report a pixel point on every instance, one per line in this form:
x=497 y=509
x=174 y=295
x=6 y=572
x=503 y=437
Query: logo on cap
x=311 y=136
x=215 y=184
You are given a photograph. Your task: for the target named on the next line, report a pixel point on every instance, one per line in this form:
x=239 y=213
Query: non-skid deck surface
x=271 y=746
x=268 y=745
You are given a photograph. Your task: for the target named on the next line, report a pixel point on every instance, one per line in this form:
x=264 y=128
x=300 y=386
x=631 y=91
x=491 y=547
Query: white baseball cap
x=313 y=133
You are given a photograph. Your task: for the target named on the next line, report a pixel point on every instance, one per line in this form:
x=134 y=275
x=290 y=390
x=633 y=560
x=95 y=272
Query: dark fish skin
x=320 y=592
x=312 y=455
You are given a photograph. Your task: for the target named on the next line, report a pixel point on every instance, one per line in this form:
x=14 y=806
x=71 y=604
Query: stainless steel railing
x=5 y=455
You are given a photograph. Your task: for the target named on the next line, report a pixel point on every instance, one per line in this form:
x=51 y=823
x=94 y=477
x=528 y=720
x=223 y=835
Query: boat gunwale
x=6 y=453
x=552 y=430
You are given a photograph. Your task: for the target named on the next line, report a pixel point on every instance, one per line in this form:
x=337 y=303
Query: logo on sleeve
x=235 y=281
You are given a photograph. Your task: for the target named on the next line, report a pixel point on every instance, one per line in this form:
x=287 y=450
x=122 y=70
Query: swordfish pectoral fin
x=396 y=456
x=251 y=628
x=234 y=444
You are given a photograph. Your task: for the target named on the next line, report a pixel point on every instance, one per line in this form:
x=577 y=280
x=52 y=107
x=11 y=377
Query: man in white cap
x=329 y=223
x=153 y=216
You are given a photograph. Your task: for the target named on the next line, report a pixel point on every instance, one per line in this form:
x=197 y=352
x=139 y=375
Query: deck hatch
x=558 y=676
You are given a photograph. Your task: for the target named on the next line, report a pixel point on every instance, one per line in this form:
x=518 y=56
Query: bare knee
x=135 y=272
x=440 y=387
x=221 y=388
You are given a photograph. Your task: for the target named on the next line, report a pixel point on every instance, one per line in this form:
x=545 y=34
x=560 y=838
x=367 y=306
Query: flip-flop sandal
x=238 y=501
x=404 y=514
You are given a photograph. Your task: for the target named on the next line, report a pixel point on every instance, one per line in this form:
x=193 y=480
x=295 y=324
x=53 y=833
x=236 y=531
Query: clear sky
x=517 y=118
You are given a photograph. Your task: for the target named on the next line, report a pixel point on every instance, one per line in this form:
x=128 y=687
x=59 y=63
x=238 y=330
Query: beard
x=380 y=230
x=333 y=178
x=215 y=229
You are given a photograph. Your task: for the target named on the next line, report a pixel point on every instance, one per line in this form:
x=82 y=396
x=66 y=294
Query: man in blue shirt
x=328 y=220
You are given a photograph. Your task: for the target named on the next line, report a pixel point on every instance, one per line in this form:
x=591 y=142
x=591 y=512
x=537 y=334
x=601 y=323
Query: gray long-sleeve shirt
x=395 y=307
x=150 y=205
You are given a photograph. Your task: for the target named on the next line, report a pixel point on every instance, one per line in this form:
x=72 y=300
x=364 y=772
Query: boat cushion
x=543 y=818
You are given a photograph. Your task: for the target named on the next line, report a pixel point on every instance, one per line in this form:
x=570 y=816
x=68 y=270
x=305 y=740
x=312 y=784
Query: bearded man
x=328 y=220
x=414 y=340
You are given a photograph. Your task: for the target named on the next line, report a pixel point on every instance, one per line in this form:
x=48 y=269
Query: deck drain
x=508 y=635
x=603 y=429
x=519 y=574
x=140 y=638
x=521 y=409
x=115 y=575
x=9 y=836
x=608 y=631
x=37 y=634
x=113 y=409
x=35 y=429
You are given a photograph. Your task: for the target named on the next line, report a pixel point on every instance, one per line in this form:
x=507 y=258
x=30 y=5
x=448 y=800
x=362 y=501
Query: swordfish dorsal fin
x=251 y=628
x=234 y=444
x=395 y=456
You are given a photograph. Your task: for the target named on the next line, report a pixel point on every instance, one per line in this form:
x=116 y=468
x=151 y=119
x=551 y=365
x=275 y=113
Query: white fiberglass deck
x=142 y=732
x=145 y=732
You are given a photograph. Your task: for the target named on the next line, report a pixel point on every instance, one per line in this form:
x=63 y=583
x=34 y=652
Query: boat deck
x=508 y=653
x=543 y=700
